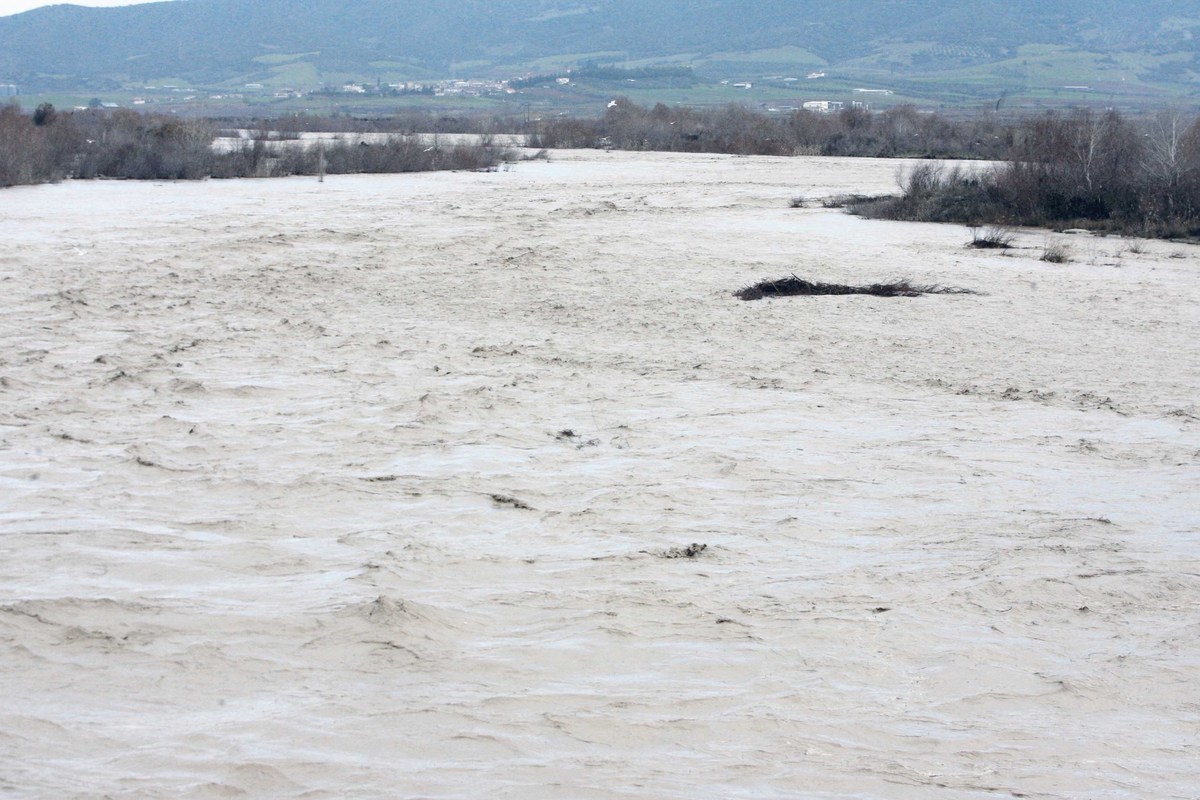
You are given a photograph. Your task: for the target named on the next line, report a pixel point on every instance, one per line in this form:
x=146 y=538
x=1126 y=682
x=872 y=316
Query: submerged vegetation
x=49 y=146
x=793 y=286
x=1082 y=169
x=1079 y=170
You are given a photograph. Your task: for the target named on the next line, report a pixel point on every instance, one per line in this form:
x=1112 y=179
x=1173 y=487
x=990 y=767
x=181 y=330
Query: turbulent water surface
x=388 y=486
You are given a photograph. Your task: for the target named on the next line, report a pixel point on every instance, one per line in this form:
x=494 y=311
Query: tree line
x=898 y=132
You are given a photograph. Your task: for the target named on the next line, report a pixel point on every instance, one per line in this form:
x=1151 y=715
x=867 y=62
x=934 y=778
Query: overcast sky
x=17 y=6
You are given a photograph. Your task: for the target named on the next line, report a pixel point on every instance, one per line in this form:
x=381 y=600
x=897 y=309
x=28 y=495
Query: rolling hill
x=946 y=51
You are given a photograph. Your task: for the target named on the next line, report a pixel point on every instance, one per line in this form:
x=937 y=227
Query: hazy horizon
x=10 y=7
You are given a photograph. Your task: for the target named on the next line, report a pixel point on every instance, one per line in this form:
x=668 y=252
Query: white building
x=824 y=106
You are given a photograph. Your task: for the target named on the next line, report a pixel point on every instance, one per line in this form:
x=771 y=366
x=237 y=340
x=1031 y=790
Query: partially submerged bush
x=391 y=154
x=1083 y=170
x=793 y=286
x=1055 y=251
x=991 y=237
x=126 y=144
x=1134 y=245
x=34 y=149
x=933 y=192
x=852 y=201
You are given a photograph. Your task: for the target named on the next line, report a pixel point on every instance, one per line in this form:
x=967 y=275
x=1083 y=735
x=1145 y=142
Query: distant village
x=445 y=88
x=169 y=94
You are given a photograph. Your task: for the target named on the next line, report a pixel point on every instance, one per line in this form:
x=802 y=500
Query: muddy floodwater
x=484 y=485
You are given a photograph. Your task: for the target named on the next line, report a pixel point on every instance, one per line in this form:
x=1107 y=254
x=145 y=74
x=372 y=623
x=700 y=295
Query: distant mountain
x=948 y=49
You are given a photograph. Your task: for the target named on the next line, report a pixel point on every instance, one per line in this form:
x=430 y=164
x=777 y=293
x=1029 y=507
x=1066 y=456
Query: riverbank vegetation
x=1079 y=170
x=1084 y=168
x=898 y=132
x=48 y=146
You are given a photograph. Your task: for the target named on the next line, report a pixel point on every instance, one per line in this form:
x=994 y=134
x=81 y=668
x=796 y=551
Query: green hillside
x=933 y=51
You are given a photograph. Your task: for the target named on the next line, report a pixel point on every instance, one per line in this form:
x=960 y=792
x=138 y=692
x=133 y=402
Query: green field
x=925 y=74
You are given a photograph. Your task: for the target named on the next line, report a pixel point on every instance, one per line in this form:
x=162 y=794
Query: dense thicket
x=901 y=131
x=32 y=148
x=1083 y=169
x=48 y=146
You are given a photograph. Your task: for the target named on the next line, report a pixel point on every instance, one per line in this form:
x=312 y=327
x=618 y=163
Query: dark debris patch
x=568 y=435
x=510 y=502
x=691 y=551
x=794 y=286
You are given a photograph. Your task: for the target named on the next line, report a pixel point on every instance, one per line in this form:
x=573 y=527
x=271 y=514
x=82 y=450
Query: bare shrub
x=1130 y=244
x=922 y=180
x=991 y=237
x=1055 y=251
